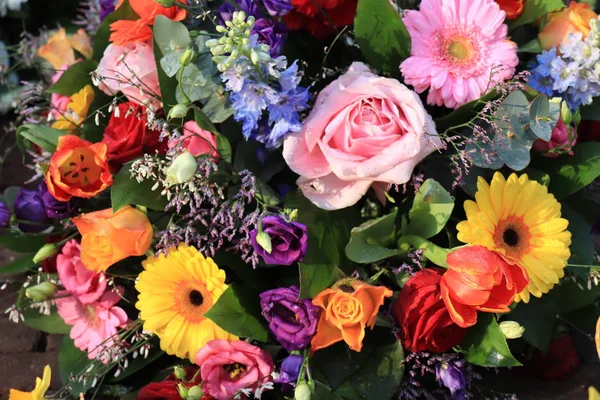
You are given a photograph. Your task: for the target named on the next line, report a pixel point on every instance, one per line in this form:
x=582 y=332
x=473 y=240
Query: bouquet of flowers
x=311 y=199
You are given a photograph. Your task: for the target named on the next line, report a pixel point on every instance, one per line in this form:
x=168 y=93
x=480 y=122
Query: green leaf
x=223 y=145
x=582 y=243
x=485 y=344
x=314 y=278
x=103 y=33
x=538 y=317
x=43 y=136
x=381 y=34
x=431 y=210
x=238 y=313
x=204 y=122
x=52 y=323
x=217 y=108
x=532 y=46
x=20 y=264
x=540 y=123
x=127 y=190
x=568 y=174
x=72 y=361
x=30 y=243
x=569 y=296
x=94 y=132
x=168 y=86
x=170 y=35
x=533 y=9
x=75 y=78
x=139 y=363
x=463 y=113
x=370 y=241
x=431 y=252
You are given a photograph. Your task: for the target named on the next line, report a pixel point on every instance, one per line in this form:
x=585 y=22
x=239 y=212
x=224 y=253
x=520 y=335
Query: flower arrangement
x=310 y=199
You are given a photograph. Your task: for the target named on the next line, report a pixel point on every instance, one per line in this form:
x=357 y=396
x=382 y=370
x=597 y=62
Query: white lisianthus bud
x=46 y=251
x=182 y=169
x=302 y=391
x=511 y=329
x=41 y=292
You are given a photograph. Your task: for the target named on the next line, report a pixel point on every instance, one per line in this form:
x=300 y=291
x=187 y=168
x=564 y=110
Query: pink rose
x=86 y=285
x=226 y=367
x=196 y=140
x=131 y=70
x=59 y=102
x=559 y=140
x=363 y=130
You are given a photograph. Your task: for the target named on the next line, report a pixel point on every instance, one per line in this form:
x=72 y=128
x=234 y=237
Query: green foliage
x=20 y=264
x=223 y=145
x=370 y=241
x=52 y=323
x=314 y=278
x=381 y=34
x=23 y=243
x=43 y=136
x=127 y=190
x=485 y=344
x=569 y=174
x=431 y=210
x=533 y=9
x=101 y=42
x=75 y=78
x=538 y=317
x=582 y=243
x=71 y=360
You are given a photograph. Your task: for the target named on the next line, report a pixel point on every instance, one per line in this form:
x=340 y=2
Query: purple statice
x=292 y=320
x=452 y=374
x=278 y=8
x=4 y=215
x=88 y=17
x=106 y=7
x=56 y=209
x=289 y=240
x=30 y=210
x=290 y=369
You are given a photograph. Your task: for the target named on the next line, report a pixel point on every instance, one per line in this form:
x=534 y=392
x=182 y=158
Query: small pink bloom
x=79 y=281
x=364 y=130
x=131 y=70
x=196 y=140
x=226 y=367
x=59 y=102
x=93 y=325
x=559 y=140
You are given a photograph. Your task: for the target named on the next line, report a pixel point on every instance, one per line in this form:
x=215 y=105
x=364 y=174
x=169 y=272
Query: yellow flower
x=41 y=385
x=76 y=111
x=593 y=393
x=175 y=292
x=59 y=50
x=519 y=219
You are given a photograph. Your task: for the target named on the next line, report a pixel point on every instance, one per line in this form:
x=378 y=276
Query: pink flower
x=226 y=367
x=559 y=140
x=130 y=69
x=459 y=50
x=364 y=130
x=196 y=140
x=79 y=281
x=93 y=325
x=59 y=102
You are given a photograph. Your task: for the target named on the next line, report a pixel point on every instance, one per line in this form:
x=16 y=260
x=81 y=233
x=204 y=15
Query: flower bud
x=565 y=113
x=195 y=393
x=179 y=372
x=178 y=111
x=182 y=169
x=302 y=391
x=577 y=117
x=511 y=329
x=47 y=251
x=183 y=391
x=165 y=3
x=186 y=58
x=41 y=292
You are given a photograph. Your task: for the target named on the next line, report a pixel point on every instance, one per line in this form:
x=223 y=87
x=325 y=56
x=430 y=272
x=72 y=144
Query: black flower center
x=285 y=313
x=196 y=298
x=510 y=237
x=346 y=288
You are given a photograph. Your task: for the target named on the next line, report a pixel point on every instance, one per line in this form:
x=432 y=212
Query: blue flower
x=452 y=375
x=541 y=83
x=544 y=61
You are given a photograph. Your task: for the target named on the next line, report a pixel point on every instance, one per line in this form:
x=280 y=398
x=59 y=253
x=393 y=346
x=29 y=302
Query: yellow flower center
x=235 y=370
x=460 y=48
x=193 y=301
x=512 y=235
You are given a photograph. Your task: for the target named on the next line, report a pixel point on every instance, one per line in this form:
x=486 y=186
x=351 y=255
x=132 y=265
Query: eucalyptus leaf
x=539 y=113
x=484 y=155
x=431 y=210
x=171 y=36
x=170 y=63
x=369 y=242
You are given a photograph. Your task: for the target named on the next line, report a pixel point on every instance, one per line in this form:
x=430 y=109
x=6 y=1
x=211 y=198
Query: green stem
x=432 y=252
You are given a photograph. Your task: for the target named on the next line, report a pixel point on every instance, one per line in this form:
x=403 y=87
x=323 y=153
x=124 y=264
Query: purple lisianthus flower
x=106 y=7
x=4 y=215
x=271 y=33
x=452 y=375
x=293 y=321
x=290 y=368
x=278 y=8
x=248 y=6
x=289 y=241
x=55 y=209
x=29 y=206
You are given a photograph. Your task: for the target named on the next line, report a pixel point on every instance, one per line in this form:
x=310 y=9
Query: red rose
x=167 y=389
x=127 y=137
x=422 y=316
x=321 y=17
x=560 y=361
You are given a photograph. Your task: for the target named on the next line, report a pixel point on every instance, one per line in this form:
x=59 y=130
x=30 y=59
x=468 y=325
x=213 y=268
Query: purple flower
x=248 y=6
x=106 y=7
x=4 y=215
x=452 y=375
x=272 y=33
x=55 y=209
x=289 y=241
x=292 y=320
x=290 y=368
x=278 y=8
x=29 y=206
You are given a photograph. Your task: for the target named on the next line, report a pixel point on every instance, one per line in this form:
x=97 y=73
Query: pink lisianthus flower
x=79 y=281
x=364 y=131
x=459 y=50
x=94 y=325
x=562 y=140
x=59 y=102
x=228 y=367
x=196 y=140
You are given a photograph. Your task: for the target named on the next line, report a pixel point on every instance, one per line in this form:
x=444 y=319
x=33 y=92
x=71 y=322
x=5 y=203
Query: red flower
x=321 y=17
x=127 y=137
x=512 y=8
x=167 y=389
x=479 y=279
x=422 y=315
x=560 y=361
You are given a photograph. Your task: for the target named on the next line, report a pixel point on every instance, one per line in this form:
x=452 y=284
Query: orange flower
x=126 y=31
x=59 y=50
x=479 y=279
x=575 y=18
x=512 y=8
x=109 y=237
x=78 y=168
x=349 y=306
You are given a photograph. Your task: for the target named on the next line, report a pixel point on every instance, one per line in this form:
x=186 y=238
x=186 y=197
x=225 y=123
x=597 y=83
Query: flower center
x=235 y=370
x=196 y=298
x=80 y=170
x=459 y=49
x=285 y=313
x=192 y=299
x=512 y=237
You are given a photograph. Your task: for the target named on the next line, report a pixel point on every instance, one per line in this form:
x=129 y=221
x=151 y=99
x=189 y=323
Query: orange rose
x=59 y=50
x=77 y=168
x=512 y=8
x=575 y=18
x=109 y=237
x=349 y=306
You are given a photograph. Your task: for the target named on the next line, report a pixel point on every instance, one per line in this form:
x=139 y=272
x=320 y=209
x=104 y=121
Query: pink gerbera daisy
x=459 y=50
x=93 y=325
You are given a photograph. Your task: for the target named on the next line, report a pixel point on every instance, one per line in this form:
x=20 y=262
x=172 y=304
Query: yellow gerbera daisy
x=41 y=385
x=77 y=110
x=519 y=219
x=175 y=292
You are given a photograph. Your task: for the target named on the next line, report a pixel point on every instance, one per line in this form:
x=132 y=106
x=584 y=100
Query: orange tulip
x=575 y=18
x=59 y=50
x=512 y=8
x=348 y=307
x=109 y=237
x=78 y=168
